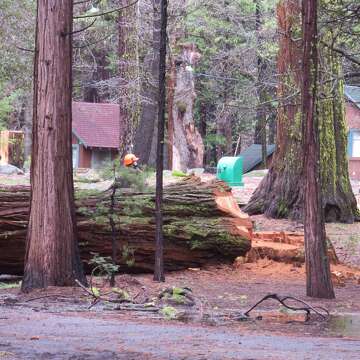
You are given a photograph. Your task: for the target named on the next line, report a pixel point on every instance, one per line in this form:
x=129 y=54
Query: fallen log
x=202 y=225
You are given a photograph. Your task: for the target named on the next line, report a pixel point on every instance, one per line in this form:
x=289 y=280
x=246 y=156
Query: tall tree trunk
x=171 y=83
x=145 y=137
x=281 y=193
x=318 y=279
x=99 y=73
x=27 y=126
x=159 y=236
x=260 y=129
x=129 y=75
x=52 y=256
x=187 y=145
x=224 y=120
x=203 y=125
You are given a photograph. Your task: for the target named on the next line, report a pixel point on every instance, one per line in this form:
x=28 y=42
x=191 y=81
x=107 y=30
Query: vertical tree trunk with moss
x=339 y=201
x=280 y=194
x=318 y=277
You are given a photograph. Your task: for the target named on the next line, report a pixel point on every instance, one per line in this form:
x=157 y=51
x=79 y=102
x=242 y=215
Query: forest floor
x=63 y=323
x=58 y=323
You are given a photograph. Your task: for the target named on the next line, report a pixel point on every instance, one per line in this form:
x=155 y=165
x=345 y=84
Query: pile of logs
x=202 y=225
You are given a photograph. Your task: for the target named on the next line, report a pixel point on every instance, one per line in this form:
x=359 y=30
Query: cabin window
x=75 y=156
x=356 y=144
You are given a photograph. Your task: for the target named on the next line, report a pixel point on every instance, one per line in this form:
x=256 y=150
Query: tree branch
x=24 y=49
x=80 y=30
x=93 y=43
x=343 y=53
x=351 y=75
x=106 y=12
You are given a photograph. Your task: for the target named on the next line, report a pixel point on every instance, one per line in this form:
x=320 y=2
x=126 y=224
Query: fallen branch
x=308 y=308
x=130 y=306
x=48 y=296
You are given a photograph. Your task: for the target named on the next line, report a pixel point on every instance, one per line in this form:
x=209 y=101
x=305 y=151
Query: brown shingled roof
x=96 y=124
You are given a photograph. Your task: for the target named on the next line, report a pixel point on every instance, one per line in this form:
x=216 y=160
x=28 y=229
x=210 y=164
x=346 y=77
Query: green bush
x=126 y=177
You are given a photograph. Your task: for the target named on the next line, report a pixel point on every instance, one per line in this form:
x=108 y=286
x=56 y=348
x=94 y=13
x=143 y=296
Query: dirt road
x=35 y=335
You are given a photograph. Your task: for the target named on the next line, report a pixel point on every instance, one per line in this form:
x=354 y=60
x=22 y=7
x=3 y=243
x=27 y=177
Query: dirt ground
x=60 y=323
x=344 y=237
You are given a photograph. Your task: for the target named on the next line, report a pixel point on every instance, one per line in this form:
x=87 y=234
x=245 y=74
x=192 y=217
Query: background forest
x=233 y=64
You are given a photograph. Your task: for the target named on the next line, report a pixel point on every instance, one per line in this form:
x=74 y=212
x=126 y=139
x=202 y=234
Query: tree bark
x=52 y=256
x=202 y=225
x=187 y=145
x=159 y=234
x=99 y=73
x=171 y=83
x=261 y=118
x=281 y=193
x=318 y=278
x=145 y=137
x=224 y=121
x=129 y=92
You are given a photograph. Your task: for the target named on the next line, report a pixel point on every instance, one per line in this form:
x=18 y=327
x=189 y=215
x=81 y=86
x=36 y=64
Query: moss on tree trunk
x=280 y=194
x=196 y=231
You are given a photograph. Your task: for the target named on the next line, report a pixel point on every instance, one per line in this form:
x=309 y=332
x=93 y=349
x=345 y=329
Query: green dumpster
x=230 y=170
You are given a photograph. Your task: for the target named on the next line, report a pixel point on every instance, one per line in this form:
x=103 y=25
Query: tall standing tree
x=128 y=54
x=318 y=279
x=145 y=137
x=281 y=193
x=262 y=93
x=52 y=256
x=159 y=237
x=186 y=148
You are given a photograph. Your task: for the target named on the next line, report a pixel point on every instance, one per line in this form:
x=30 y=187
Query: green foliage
x=14 y=285
x=6 y=105
x=283 y=209
x=128 y=255
x=169 y=312
x=86 y=193
x=178 y=295
x=103 y=265
x=227 y=83
x=27 y=163
x=122 y=294
x=178 y=173
x=181 y=106
x=212 y=140
x=126 y=177
x=95 y=291
x=16 y=30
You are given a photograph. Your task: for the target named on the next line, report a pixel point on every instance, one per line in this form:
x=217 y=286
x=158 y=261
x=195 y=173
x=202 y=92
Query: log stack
x=202 y=225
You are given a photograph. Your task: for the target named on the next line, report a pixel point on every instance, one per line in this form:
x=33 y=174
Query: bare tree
x=52 y=256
